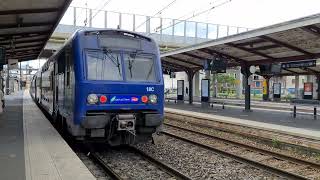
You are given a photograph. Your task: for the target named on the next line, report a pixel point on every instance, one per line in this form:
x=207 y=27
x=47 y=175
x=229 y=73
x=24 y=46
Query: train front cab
x=120 y=97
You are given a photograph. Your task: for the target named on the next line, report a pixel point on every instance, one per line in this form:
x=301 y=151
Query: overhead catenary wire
x=104 y=5
x=194 y=15
x=159 y=12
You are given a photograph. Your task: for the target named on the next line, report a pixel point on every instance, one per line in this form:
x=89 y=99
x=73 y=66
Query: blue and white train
x=103 y=85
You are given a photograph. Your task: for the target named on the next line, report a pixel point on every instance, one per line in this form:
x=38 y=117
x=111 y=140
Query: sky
x=243 y=13
x=240 y=13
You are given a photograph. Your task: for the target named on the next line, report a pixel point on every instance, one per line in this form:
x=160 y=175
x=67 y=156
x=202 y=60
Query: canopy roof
x=26 y=26
x=289 y=41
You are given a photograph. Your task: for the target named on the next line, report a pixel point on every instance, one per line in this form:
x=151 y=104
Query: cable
x=104 y=5
x=194 y=15
x=159 y=12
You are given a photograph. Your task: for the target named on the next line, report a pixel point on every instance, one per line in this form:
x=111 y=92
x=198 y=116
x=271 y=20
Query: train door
x=35 y=87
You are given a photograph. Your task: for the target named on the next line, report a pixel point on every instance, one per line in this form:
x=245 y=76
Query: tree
x=226 y=82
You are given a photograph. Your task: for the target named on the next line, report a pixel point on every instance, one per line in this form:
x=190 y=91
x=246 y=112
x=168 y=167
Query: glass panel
x=167 y=26
x=179 y=28
x=155 y=25
x=98 y=62
x=98 y=19
x=139 y=68
x=212 y=31
x=223 y=30
x=242 y=30
x=201 y=30
x=190 y=28
x=127 y=22
x=140 y=23
x=67 y=17
x=232 y=30
x=112 y=20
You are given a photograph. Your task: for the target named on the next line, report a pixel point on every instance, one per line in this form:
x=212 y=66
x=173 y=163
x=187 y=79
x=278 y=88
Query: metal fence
x=78 y=16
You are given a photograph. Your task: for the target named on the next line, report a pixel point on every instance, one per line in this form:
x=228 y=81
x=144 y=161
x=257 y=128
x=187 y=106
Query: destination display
x=299 y=64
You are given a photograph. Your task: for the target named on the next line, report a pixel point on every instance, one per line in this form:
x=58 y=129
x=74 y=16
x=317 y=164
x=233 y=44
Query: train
x=103 y=85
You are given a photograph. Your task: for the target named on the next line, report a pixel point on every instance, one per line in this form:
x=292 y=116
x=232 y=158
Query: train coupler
x=126 y=122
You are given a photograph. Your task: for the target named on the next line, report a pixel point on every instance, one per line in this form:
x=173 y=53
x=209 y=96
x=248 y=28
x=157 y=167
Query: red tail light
x=103 y=99
x=144 y=99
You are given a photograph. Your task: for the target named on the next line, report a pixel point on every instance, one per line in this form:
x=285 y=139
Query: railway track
x=277 y=163
x=97 y=158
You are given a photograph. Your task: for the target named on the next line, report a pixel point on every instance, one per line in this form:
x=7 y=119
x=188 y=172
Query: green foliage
x=226 y=85
x=275 y=143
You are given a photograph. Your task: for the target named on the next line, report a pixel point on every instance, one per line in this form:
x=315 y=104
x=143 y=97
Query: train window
x=104 y=66
x=139 y=68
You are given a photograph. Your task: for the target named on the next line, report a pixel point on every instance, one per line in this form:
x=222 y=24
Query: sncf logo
x=134 y=99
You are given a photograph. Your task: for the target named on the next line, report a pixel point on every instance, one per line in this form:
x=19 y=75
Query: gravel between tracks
x=94 y=169
x=132 y=166
x=246 y=140
x=199 y=163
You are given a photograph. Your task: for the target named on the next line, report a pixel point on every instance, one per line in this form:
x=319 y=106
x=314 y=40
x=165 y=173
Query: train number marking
x=150 y=89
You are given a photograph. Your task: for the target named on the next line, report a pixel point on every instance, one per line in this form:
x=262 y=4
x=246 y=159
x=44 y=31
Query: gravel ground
x=199 y=163
x=132 y=166
x=94 y=169
x=248 y=141
x=248 y=153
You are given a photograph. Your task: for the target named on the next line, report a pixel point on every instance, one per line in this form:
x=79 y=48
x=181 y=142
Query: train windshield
x=104 y=66
x=139 y=68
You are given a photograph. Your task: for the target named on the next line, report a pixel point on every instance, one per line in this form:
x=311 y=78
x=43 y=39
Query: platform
x=278 y=120
x=257 y=104
x=31 y=148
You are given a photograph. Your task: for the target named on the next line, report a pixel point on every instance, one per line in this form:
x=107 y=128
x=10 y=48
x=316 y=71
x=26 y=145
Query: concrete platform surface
x=48 y=156
x=280 y=121
x=44 y=155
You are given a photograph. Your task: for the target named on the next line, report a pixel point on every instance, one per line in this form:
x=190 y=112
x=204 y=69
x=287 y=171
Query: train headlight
x=153 y=98
x=92 y=99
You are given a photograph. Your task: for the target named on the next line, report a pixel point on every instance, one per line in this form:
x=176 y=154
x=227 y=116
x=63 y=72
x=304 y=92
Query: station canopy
x=295 y=40
x=26 y=26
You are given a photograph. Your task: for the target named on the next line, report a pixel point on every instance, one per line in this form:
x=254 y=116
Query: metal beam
x=311 y=70
x=26 y=46
x=28 y=11
x=249 y=50
x=177 y=66
x=194 y=56
x=312 y=29
x=293 y=72
x=184 y=61
x=214 y=52
x=250 y=43
x=27 y=34
x=283 y=59
x=265 y=47
x=23 y=41
x=286 y=45
x=8 y=26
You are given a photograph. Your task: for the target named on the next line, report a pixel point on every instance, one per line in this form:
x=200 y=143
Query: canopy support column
x=246 y=73
x=190 y=74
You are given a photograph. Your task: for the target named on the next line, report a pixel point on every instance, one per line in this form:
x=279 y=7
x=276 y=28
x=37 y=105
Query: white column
x=196 y=82
x=238 y=83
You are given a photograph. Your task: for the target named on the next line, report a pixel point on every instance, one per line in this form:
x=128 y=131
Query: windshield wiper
x=114 y=60
x=131 y=62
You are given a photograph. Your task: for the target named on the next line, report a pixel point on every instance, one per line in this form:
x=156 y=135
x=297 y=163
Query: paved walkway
x=270 y=118
x=11 y=139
